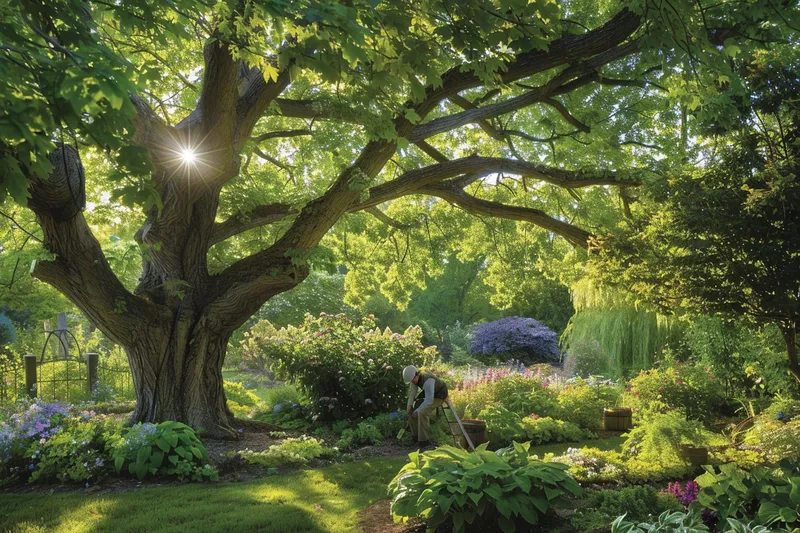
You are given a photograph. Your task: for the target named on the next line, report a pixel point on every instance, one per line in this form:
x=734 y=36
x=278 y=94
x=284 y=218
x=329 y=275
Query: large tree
x=355 y=105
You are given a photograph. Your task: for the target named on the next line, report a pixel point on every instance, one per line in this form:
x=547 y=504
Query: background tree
x=284 y=118
x=726 y=238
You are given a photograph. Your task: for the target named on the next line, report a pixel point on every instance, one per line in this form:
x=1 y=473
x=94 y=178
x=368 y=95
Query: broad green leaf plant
x=456 y=488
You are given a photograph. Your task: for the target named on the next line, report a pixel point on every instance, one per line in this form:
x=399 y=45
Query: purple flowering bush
x=54 y=441
x=348 y=369
x=521 y=338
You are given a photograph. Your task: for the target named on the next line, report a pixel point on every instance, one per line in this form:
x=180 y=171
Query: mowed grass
x=323 y=500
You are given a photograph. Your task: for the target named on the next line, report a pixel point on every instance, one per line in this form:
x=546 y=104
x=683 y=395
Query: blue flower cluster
x=138 y=436
x=39 y=421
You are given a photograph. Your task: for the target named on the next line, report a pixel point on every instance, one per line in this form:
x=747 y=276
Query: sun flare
x=188 y=156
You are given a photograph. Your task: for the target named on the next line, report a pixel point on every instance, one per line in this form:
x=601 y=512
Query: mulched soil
x=377 y=519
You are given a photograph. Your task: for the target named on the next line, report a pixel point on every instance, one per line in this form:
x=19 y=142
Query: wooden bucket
x=476 y=429
x=694 y=455
x=617 y=419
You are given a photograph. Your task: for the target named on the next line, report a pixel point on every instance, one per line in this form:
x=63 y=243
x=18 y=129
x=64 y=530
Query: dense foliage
x=692 y=389
x=348 y=369
x=770 y=496
x=167 y=448
x=724 y=239
x=41 y=442
x=467 y=491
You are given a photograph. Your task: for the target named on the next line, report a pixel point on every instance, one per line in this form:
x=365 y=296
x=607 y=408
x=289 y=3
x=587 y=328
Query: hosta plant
x=450 y=487
x=770 y=496
x=678 y=522
x=169 y=448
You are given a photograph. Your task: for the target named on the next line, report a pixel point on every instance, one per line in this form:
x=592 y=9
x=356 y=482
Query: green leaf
x=163 y=444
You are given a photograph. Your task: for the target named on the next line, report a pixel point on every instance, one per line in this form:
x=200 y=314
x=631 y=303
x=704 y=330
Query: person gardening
x=435 y=394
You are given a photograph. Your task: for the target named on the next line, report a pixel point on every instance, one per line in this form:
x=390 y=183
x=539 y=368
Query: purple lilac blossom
x=518 y=336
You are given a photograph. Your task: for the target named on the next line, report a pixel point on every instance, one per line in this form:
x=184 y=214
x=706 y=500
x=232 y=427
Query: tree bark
x=177 y=374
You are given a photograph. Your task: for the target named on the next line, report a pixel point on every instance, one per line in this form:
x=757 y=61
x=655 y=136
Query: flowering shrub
x=291 y=451
x=517 y=337
x=168 y=448
x=583 y=404
x=523 y=392
x=693 y=389
x=45 y=442
x=348 y=369
x=685 y=495
x=256 y=350
x=450 y=487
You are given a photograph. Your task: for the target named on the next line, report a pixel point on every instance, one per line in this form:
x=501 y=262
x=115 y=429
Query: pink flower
x=679 y=382
x=712 y=377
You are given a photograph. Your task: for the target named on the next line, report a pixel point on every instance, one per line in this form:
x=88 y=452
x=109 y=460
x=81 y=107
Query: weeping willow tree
x=611 y=326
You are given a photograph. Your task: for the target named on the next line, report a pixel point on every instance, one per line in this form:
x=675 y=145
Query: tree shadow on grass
x=310 y=501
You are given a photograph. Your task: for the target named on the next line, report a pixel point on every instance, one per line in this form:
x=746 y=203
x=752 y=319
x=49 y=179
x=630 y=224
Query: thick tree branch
x=218 y=98
x=414 y=180
x=432 y=152
x=280 y=134
x=79 y=268
x=256 y=217
x=311 y=109
x=572 y=77
x=257 y=95
x=573 y=234
x=465 y=104
x=568 y=49
x=316 y=218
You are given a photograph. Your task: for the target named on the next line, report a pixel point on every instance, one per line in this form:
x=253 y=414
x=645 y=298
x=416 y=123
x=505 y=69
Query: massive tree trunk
x=177 y=373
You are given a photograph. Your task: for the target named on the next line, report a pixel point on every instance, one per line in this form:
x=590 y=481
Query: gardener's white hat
x=409 y=372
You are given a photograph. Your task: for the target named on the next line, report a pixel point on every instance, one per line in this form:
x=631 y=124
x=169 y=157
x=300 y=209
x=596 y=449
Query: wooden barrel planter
x=694 y=455
x=476 y=429
x=617 y=419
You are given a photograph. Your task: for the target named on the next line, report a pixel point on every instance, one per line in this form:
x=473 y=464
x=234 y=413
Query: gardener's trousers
x=421 y=421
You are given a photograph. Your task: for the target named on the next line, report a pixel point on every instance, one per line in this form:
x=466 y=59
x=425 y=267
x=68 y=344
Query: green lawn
x=275 y=504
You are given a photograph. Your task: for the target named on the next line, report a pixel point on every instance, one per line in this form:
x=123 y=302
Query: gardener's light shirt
x=428 y=388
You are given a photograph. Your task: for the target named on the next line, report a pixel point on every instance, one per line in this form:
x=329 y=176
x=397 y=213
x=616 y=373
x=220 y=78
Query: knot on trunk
x=62 y=195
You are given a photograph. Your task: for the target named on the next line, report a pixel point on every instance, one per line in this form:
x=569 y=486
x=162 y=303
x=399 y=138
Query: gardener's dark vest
x=439 y=387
